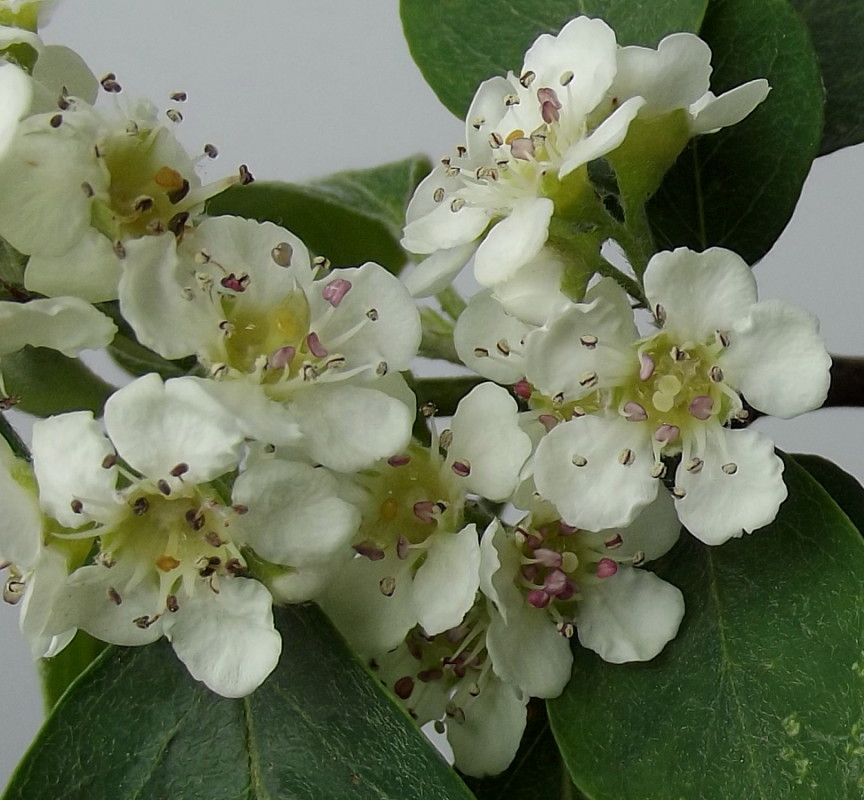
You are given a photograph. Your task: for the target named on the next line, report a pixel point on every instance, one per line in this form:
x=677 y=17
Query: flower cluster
x=462 y=558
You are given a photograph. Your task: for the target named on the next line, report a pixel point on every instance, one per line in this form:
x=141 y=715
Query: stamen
x=730 y=469
x=403 y=548
x=438 y=195
x=315 y=346
x=538 y=598
x=626 y=457
x=615 y=542
x=646 y=367
x=589 y=341
x=387 y=586
x=606 y=568
x=210 y=150
x=679 y=493
x=114 y=596
x=404 y=687
x=399 y=461
x=522 y=148
x=635 y=412
x=667 y=434
x=461 y=468
x=578 y=461
x=694 y=465
x=335 y=291
x=369 y=550
x=527 y=78
x=281 y=358
x=548 y=421
x=522 y=389
x=716 y=374
x=701 y=407
x=77 y=506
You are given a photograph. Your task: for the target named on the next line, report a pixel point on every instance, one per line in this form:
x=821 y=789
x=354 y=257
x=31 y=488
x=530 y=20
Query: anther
x=678 y=354
x=566 y=77
x=667 y=434
x=109 y=461
x=382 y=369
x=321 y=263
x=527 y=78
x=588 y=379
x=626 y=457
x=114 y=596
x=578 y=461
x=180 y=469
x=13 y=590
x=694 y=465
x=399 y=461
x=445 y=439
x=522 y=148
x=109 y=83
x=171 y=603
x=210 y=150
x=334 y=291
x=646 y=367
x=521 y=389
x=589 y=341
x=211 y=537
x=635 y=412
x=140 y=506
x=638 y=558
x=387 y=586
x=56 y=121
x=424 y=510
x=614 y=543
x=143 y=203
x=456 y=204
x=194 y=519
x=716 y=374
x=606 y=568
x=236 y=283
x=428 y=410
x=88 y=189
x=438 y=195
x=503 y=347
x=723 y=337
x=461 y=468
x=404 y=687
x=77 y=506
x=179 y=97
x=481 y=352
x=315 y=347
x=119 y=249
x=658 y=470
x=730 y=469
x=163 y=486
x=403 y=548
x=495 y=139
x=246 y=177
x=174 y=115
x=178 y=194
x=678 y=493
x=538 y=598
x=478 y=123
x=282 y=254
x=177 y=223
x=461 y=150
x=369 y=550
x=144 y=622
x=566 y=629
x=167 y=563
x=701 y=407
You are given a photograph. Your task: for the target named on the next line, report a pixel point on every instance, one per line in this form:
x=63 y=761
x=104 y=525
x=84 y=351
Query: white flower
x=301 y=359
x=547 y=580
x=15 y=94
x=418 y=561
x=579 y=97
x=167 y=561
x=79 y=183
x=28 y=14
x=626 y=402
x=449 y=678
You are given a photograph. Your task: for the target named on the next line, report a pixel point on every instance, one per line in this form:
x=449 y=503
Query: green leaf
x=47 y=382
x=844 y=489
x=320 y=728
x=738 y=188
x=761 y=695
x=459 y=43
x=350 y=217
x=837 y=30
x=536 y=771
x=59 y=672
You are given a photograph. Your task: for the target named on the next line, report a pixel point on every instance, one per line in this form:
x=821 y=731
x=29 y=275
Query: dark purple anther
x=555 y=582
x=399 y=461
x=522 y=389
x=538 y=598
x=235 y=283
x=606 y=568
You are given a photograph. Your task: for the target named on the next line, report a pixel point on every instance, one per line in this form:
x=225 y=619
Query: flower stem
x=13 y=439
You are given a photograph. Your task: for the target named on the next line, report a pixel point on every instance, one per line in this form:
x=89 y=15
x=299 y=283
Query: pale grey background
x=300 y=88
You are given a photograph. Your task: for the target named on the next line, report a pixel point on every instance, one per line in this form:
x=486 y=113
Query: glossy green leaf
x=47 y=382
x=320 y=728
x=738 y=188
x=837 y=31
x=844 y=488
x=350 y=217
x=761 y=695
x=536 y=771
x=58 y=673
x=459 y=43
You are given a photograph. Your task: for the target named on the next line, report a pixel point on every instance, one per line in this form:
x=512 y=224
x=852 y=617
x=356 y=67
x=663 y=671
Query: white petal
x=21 y=521
x=66 y=324
x=528 y=651
x=300 y=584
x=348 y=428
x=603 y=492
x=709 y=114
x=446 y=583
x=608 y=135
x=295 y=516
x=777 y=359
x=653 y=533
x=68 y=453
x=719 y=505
x=88 y=269
x=487 y=436
x=227 y=640
x=513 y=241
x=436 y=272
x=38 y=622
x=165 y=319
x=15 y=93
x=484 y=115
x=371 y=621
x=394 y=335
x=700 y=292
x=675 y=75
x=534 y=294
x=61 y=70
x=630 y=616
x=487 y=741
x=157 y=426
x=479 y=328
x=442 y=228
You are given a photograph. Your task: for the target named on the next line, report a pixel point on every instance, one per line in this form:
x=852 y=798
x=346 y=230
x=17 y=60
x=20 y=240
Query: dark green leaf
x=760 y=696
x=459 y=43
x=320 y=728
x=350 y=217
x=844 y=489
x=837 y=30
x=536 y=771
x=738 y=188
x=47 y=382
x=58 y=673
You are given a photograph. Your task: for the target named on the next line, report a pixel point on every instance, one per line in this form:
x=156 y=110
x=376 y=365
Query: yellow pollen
x=167 y=563
x=168 y=178
x=389 y=509
x=513 y=135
